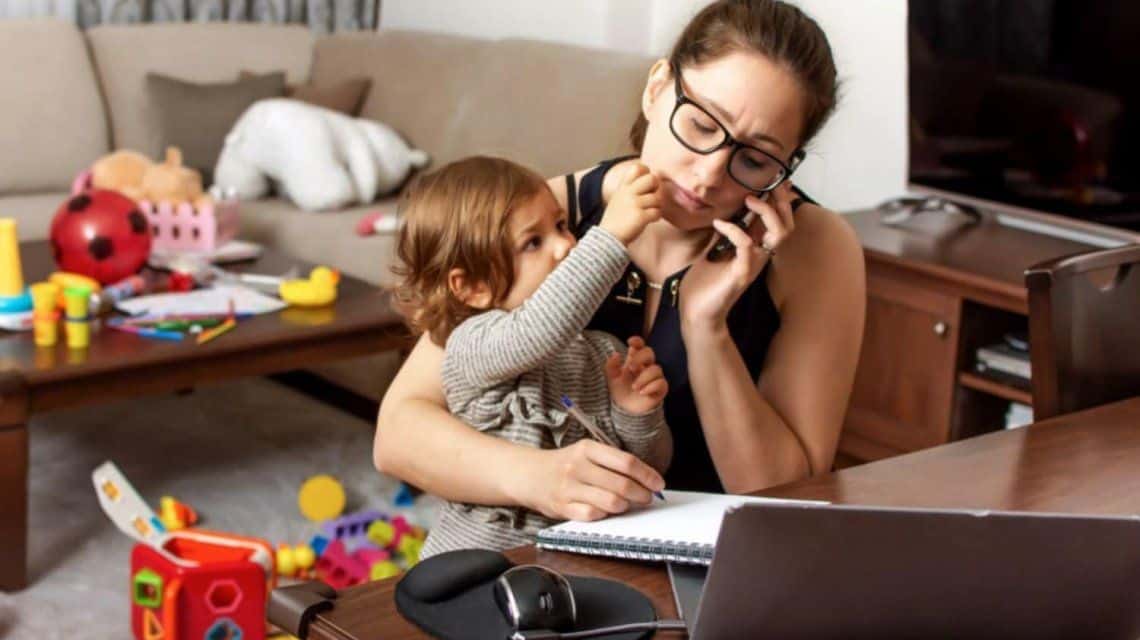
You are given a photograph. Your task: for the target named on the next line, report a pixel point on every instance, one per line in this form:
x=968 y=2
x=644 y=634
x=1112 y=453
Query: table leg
x=13 y=489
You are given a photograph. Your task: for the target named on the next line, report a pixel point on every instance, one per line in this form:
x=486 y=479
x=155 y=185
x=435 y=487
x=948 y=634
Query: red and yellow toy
x=188 y=584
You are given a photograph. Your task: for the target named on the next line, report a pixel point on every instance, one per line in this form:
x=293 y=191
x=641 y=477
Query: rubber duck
x=316 y=291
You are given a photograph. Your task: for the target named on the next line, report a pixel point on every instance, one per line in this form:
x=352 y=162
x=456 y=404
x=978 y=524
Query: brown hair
x=775 y=29
x=456 y=216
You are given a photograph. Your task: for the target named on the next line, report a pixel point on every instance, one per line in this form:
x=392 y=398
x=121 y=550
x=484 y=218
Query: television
x=1029 y=109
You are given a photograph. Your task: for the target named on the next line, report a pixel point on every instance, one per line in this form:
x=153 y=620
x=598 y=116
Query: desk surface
x=1086 y=462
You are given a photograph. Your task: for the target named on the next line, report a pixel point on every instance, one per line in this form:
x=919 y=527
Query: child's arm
x=637 y=388
x=499 y=345
x=645 y=435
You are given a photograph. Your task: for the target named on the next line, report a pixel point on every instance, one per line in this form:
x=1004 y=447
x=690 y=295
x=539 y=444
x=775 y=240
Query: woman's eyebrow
x=725 y=115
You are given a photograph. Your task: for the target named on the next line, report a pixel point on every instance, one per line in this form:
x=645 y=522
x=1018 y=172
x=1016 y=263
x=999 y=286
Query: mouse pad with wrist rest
x=451 y=595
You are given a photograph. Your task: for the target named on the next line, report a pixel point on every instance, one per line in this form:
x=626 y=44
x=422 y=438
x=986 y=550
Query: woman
x=759 y=349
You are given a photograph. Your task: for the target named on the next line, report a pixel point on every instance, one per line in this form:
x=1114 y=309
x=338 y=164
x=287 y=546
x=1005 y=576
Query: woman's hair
x=774 y=29
x=456 y=216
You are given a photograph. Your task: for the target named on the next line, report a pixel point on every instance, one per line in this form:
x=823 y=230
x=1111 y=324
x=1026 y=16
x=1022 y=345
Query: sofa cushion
x=195 y=117
x=328 y=237
x=417 y=78
x=553 y=107
x=33 y=212
x=557 y=108
x=52 y=122
x=194 y=52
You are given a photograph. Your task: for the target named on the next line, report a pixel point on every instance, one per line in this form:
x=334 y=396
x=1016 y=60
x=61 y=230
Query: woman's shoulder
x=822 y=247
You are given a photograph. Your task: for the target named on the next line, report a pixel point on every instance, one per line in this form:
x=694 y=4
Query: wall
x=858 y=160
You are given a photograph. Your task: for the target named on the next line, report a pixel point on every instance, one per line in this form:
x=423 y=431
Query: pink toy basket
x=182 y=227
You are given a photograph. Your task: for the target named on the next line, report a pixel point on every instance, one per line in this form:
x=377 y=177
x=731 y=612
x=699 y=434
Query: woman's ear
x=660 y=76
x=473 y=294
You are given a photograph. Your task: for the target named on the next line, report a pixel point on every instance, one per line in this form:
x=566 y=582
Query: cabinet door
x=904 y=386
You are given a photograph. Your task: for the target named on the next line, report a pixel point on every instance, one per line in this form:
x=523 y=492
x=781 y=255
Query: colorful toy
x=15 y=302
x=384 y=570
x=100 y=234
x=321 y=498
x=78 y=325
x=339 y=569
x=317 y=291
x=187 y=584
x=176 y=515
x=378 y=222
x=65 y=279
x=352 y=526
x=45 y=315
x=404 y=496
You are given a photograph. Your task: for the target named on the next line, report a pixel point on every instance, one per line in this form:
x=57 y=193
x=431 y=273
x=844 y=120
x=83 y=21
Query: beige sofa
x=73 y=96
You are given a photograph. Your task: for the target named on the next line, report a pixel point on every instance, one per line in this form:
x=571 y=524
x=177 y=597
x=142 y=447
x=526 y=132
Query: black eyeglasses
x=698 y=131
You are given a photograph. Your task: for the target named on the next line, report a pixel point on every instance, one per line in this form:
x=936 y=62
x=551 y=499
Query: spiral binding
x=627 y=547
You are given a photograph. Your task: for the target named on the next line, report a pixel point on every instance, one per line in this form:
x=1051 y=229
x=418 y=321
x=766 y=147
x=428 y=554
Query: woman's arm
x=787 y=426
x=418 y=441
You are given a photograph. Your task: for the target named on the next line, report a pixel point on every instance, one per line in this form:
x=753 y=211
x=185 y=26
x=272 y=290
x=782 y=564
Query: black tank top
x=752 y=323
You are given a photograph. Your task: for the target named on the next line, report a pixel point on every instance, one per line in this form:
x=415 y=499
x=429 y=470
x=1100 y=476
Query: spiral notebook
x=683 y=528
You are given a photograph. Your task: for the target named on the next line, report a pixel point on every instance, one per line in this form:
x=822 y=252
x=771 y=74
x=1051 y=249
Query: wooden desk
x=1086 y=462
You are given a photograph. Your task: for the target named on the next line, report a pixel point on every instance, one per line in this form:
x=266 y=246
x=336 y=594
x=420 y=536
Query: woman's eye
x=703 y=127
x=755 y=163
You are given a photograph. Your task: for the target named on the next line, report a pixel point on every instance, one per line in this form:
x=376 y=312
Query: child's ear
x=472 y=294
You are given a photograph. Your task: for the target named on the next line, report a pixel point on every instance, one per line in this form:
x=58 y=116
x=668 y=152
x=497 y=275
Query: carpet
x=236 y=452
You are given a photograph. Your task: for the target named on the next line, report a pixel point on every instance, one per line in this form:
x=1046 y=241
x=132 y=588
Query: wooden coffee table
x=119 y=365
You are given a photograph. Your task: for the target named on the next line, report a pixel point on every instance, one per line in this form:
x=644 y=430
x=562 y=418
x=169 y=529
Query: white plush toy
x=321 y=159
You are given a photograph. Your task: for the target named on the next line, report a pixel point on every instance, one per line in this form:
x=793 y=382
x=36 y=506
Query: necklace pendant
x=673 y=289
x=632 y=282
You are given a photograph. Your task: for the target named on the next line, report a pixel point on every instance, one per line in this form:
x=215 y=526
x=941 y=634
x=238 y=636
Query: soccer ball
x=101 y=234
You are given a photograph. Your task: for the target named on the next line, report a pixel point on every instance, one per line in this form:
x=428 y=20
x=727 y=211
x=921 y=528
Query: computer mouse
x=534 y=597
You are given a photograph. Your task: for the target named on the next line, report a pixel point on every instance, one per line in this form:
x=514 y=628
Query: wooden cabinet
x=937 y=290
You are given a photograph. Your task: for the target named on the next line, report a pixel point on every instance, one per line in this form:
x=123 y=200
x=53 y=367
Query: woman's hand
x=588 y=480
x=709 y=289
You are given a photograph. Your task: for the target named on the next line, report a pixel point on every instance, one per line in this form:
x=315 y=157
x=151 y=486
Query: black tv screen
x=1028 y=103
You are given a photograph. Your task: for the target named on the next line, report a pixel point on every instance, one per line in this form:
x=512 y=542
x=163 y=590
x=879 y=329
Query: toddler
x=491 y=271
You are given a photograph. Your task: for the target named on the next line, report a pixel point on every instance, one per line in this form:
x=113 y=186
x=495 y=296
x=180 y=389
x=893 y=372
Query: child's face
x=541 y=238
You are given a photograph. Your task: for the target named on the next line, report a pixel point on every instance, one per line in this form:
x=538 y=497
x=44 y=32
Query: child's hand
x=635 y=204
x=637 y=384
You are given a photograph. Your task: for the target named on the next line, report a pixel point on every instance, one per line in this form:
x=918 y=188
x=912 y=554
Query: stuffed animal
x=321 y=159
x=121 y=171
x=135 y=176
x=172 y=182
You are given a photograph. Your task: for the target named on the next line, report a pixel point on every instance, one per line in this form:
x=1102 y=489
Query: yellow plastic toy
x=383 y=570
x=45 y=315
x=11 y=275
x=67 y=279
x=321 y=498
x=78 y=322
x=316 y=291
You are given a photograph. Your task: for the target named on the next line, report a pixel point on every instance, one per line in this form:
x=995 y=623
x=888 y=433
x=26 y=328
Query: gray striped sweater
x=504 y=372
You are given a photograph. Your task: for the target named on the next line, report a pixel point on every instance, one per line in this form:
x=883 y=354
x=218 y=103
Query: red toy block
x=339 y=569
x=202 y=586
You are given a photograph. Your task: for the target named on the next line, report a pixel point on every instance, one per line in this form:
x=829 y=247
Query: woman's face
x=760 y=104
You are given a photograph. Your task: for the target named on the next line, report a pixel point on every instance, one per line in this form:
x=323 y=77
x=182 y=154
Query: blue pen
x=594 y=430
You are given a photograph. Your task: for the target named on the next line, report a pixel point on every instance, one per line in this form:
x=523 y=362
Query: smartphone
x=724 y=249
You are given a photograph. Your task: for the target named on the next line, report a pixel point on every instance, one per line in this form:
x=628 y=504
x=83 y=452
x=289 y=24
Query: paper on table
x=215 y=300
x=684 y=516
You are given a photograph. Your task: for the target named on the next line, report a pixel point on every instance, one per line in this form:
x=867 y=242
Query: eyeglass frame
x=729 y=141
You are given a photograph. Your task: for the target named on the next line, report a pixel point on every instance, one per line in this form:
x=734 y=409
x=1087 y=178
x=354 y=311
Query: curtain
x=322 y=16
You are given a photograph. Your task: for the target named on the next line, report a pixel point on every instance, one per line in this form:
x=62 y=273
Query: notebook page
x=684 y=516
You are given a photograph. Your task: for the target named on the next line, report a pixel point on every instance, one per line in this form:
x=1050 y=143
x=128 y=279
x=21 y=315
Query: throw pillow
x=196 y=117
x=346 y=96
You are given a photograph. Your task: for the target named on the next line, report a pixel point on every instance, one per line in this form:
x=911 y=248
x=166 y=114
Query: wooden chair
x=1084 y=330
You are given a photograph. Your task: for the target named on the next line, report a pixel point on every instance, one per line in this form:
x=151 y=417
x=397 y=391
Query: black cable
x=543 y=634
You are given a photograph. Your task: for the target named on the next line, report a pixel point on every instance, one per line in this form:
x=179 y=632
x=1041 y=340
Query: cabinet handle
x=940 y=329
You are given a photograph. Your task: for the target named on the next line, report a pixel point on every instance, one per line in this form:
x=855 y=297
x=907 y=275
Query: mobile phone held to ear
x=724 y=249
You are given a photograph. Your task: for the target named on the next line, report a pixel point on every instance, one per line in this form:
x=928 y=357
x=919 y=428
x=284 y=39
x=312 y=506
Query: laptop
x=831 y=571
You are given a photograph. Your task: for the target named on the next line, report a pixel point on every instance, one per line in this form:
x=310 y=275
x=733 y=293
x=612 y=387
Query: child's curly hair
x=456 y=216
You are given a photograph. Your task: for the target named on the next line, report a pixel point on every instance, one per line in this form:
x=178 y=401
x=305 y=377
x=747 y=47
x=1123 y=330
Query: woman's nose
x=710 y=169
